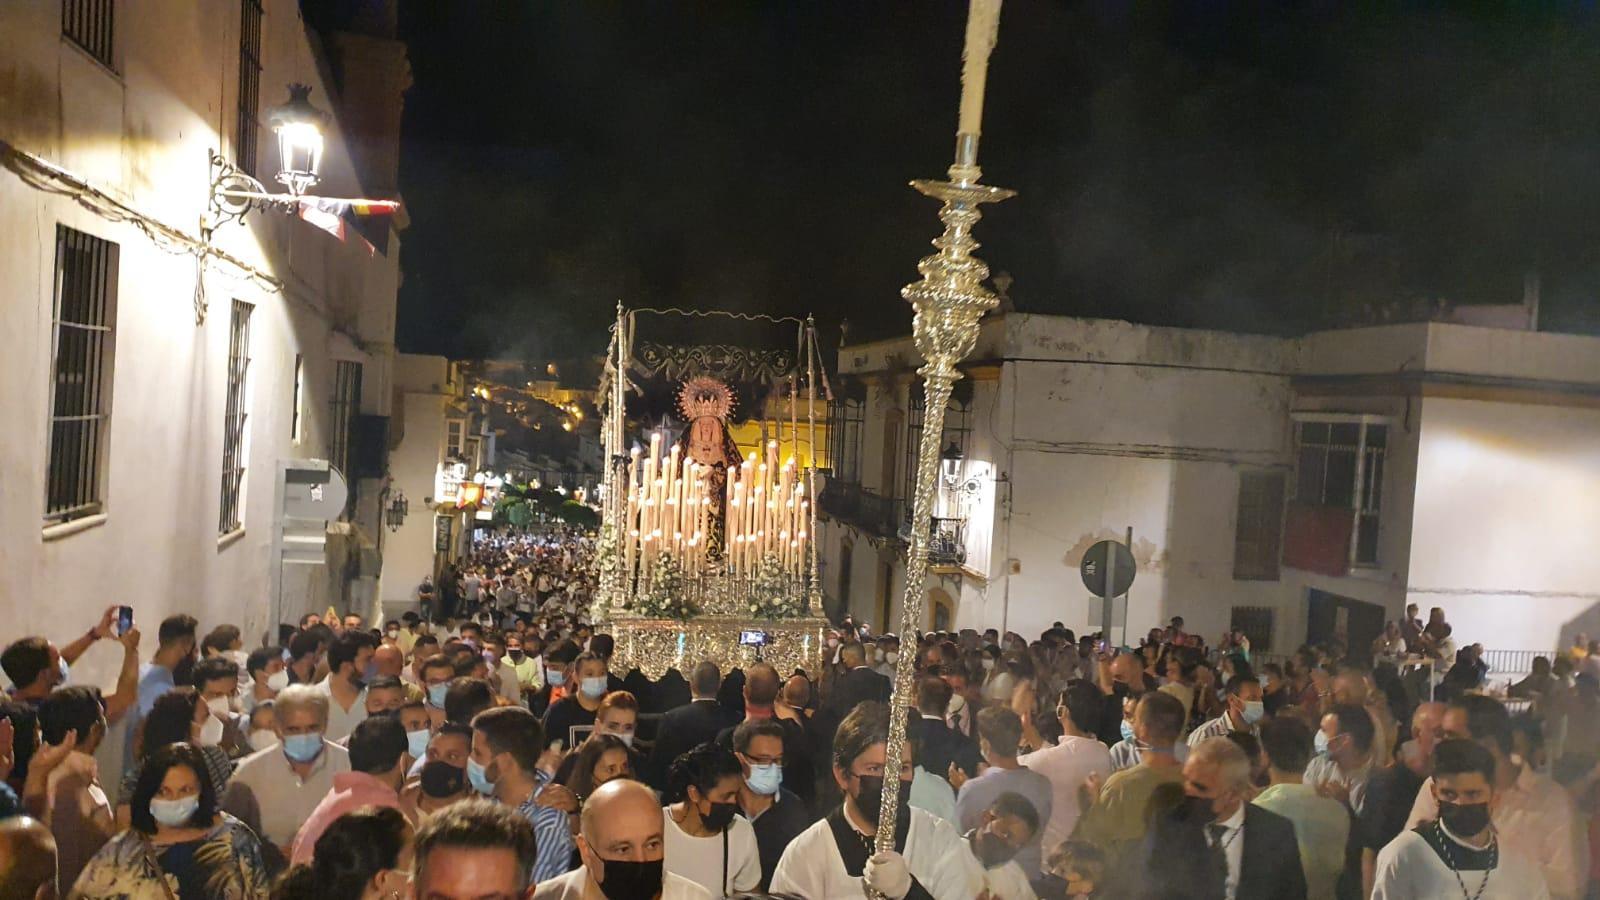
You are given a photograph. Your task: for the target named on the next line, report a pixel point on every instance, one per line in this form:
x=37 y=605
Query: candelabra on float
x=948 y=302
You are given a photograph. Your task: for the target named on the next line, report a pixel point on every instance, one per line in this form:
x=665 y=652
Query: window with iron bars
x=234 y=420
x=345 y=404
x=91 y=25
x=1258 y=527
x=1340 y=464
x=844 y=433
x=246 y=140
x=80 y=401
x=956 y=427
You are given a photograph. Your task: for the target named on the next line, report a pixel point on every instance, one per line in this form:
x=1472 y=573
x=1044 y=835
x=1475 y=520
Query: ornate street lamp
x=299 y=127
x=950 y=464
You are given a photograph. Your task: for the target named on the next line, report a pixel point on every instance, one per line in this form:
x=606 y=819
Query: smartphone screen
x=124 y=620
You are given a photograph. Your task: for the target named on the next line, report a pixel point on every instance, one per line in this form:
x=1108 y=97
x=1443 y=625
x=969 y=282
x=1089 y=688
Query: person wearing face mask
x=436 y=677
x=349 y=670
x=267 y=674
x=275 y=789
x=169 y=667
x=1008 y=825
x=1244 y=710
x=885 y=655
x=503 y=764
x=999 y=730
x=262 y=726
x=776 y=814
x=1392 y=790
x=177 y=718
x=622 y=844
x=526 y=668
x=1321 y=825
x=180 y=844
x=834 y=857
x=571 y=718
x=379 y=757
x=364 y=854
x=1214 y=843
x=217 y=681
x=1532 y=814
x=413 y=716
x=1113 y=816
x=36 y=666
x=559 y=680
x=707 y=841
x=1343 y=763
x=1460 y=851
x=617 y=716
x=442 y=778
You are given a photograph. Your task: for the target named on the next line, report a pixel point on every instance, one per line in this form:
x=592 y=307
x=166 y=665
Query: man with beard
x=834 y=857
x=1008 y=825
x=1216 y=844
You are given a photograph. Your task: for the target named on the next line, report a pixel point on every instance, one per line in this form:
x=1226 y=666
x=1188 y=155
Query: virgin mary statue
x=706 y=404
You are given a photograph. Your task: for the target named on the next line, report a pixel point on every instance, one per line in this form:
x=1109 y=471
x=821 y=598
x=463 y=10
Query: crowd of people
x=482 y=746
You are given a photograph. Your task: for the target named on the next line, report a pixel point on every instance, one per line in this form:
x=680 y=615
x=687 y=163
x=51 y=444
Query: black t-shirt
x=568 y=722
x=1391 y=792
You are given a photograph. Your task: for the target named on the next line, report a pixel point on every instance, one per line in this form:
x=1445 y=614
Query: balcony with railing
x=947 y=542
x=851 y=503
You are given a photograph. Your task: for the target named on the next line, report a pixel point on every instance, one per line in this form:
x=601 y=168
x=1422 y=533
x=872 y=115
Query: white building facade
x=1296 y=489
x=155 y=377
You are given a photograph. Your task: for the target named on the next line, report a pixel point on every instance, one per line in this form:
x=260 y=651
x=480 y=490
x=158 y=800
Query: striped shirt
x=552 y=834
x=1218 y=727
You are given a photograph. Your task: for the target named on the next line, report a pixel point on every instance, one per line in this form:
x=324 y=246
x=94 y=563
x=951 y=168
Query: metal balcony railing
x=862 y=508
x=947 y=542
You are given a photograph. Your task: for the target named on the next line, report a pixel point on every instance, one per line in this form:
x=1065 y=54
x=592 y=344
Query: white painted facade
x=1081 y=429
x=139 y=131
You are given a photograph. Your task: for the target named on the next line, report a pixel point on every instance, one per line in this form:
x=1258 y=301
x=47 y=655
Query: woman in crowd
x=180 y=845
x=364 y=855
x=600 y=759
x=177 y=717
x=707 y=842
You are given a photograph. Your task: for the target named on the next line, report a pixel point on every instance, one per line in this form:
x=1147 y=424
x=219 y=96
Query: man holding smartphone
x=36 y=666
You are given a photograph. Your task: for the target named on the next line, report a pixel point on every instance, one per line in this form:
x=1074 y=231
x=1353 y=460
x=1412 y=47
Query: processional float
x=706 y=548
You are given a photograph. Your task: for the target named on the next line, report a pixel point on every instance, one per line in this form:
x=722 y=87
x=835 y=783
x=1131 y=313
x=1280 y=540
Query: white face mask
x=278 y=680
x=891 y=657
x=239 y=658
x=211 y=732
x=262 y=738
x=219 y=705
x=957 y=704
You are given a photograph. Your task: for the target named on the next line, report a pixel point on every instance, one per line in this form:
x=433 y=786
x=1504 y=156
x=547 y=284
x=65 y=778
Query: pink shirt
x=351 y=791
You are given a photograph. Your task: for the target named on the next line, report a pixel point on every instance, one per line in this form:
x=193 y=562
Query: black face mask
x=440 y=779
x=870 y=800
x=516 y=655
x=991 y=849
x=1195 y=810
x=627 y=880
x=720 y=816
x=1464 y=819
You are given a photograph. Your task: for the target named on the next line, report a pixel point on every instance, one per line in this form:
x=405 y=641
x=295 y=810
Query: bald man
x=620 y=840
x=388 y=660
x=1392 y=791
x=761 y=688
x=27 y=860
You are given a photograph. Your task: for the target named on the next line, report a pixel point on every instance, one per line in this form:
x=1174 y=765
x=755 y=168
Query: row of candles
x=669 y=507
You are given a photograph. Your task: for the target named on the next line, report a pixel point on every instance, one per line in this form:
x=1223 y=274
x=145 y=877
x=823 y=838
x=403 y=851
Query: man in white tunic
x=834 y=857
x=1459 y=852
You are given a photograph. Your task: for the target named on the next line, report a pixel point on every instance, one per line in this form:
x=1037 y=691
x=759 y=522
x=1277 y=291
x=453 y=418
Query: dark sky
x=1256 y=166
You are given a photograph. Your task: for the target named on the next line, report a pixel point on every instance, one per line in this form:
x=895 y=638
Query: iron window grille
x=80 y=402
x=246 y=141
x=234 y=420
x=1258 y=529
x=91 y=25
x=956 y=427
x=1340 y=463
x=845 y=435
x=344 y=406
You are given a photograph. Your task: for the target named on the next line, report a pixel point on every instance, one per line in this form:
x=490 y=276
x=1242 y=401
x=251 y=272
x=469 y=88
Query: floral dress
x=224 y=864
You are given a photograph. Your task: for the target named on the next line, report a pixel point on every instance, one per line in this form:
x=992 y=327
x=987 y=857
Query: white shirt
x=1535 y=818
x=1008 y=882
x=1409 y=869
x=283 y=800
x=572 y=885
x=936 y=853
x=341 y=721
x=1068 y=765
x=1323 y=770
x=700 y=859
x=1232 y=840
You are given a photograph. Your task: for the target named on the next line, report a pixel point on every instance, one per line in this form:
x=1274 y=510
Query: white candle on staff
x=983 y=23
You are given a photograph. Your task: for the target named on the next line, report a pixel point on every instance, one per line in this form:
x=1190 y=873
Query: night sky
x=1234 y=165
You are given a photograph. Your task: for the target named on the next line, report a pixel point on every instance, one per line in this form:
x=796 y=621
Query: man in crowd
x=1321 y=824
x=833 y=858
x=379 y=757
x=1344 y=766
x=1115 y=820
x=761 y=685
x=474 y=850
x=622 y=843
x=504 y=764
x=216 y=679
x=172 y=662
x=1391 y=791
x=275 y=790
x=999 y=732
x=1074 y=759
x=942 y=746
x=688 y=726
x=1245 y=709
x=858 y=683
x=1461 y=849
x=1007 y=826
x=36 y=666
x=1259 y=857
x=1121 y=677
x=1532 y=815
x=345 y=686
x=79 y=813
x=777 y=814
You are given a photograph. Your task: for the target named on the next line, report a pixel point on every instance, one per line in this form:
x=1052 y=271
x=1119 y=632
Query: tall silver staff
x=949 y=301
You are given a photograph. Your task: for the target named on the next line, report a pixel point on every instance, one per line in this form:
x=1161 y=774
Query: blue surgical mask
x=303 y=748
x=594 y=688
x=1253 y=711
x=1127 y=731
x=436 y=694
x=417 y=743
x=765 y=779
x=556 y=677
x=1321 y=742
x=479 y=776
x=174 y=813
